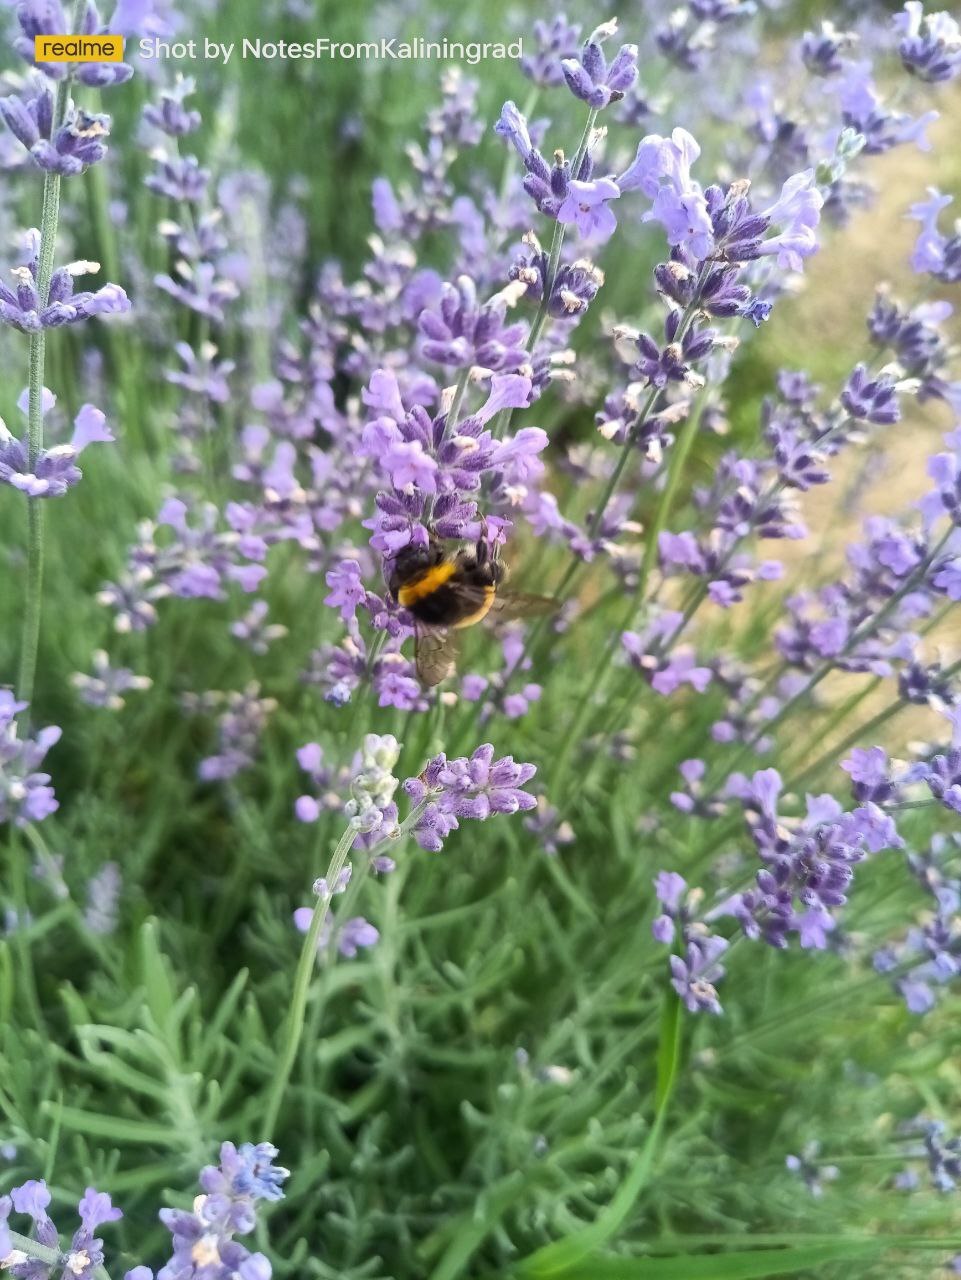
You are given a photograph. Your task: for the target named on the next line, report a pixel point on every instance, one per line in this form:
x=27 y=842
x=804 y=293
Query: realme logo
x=78 y=48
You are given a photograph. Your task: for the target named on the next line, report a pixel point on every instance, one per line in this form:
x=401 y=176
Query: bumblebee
x=446 y=592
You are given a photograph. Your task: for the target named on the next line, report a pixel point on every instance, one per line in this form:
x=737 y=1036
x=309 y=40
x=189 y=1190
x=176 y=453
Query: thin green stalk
x=30 y=632
x=305 y=971
x=308 y=959
x=679 y=456
x=33 y=595
x=857 y=735
x=450 y=425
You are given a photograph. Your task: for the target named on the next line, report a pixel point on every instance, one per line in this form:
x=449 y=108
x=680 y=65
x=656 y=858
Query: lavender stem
x=30 y=634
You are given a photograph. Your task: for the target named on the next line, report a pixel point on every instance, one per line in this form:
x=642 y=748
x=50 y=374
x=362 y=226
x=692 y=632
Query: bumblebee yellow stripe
x=481 y=613
x=428 y=582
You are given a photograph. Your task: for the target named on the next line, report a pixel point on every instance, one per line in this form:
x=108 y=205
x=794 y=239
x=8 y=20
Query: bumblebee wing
x=435 y=654
x=521 y=604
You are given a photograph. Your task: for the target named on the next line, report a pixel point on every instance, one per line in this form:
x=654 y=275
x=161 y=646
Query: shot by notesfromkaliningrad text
x=321 y=48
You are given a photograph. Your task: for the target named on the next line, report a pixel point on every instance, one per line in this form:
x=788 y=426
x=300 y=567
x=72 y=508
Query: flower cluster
x=25 y=792
x=198 y=560
x=204 y=1243
x=371 y=805
x=71 y=146
x=941 y=1154
x=107 y=685
x=54 y=470
x=22 y=308
x=808 y=868
x=935 y=253
x=929 y=956
x=695 y=974
x=352 y=935
x=82 y=1258
x=242 y=717
x=475 y=787
x=813 y=1172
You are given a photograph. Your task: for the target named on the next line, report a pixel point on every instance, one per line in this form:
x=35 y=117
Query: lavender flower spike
x=77 y=143
x=590 y=77
x=21 y=308
x=55 y=470
x=477 y=788
x=25 y=792
x=203 y=1239
x=930 y=46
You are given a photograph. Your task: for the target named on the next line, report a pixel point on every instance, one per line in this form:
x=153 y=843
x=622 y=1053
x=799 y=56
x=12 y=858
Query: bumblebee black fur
x=441 y=590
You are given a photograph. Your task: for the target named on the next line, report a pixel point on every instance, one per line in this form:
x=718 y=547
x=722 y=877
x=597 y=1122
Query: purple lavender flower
x=943 y=777
x=573 y=287
x=863 y=111
x=55 y=470
x=930 y=953
x=329 y=784
x=352 y=935
x=246 y=1171
x=21 y=307
x=934 y=252
x=202 y=374
x=675 y=360
x=821 y=50
x=692 y=799
x=179 y=178
x=806 y=872
x=554 y=42
x=203 y=1239
x=107 y=685
x=595 y=81
x=695 y=977
x=798 y=211
x=942 y=1155
x=661 y=170
x=689 y=33
x=813 y=1173
x=242 y=719
x=930 y=45
x=665 y=673
x=870 y=773
x=25 y=793
x=81 y=1259
x=586 y=206
x=870 y=399
x=461 y=331
x=198 y=560
x=77 y=143
x=255 y=631
x=169 y=114
x=199 y=288
x=476 y=787
x=548 y=826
